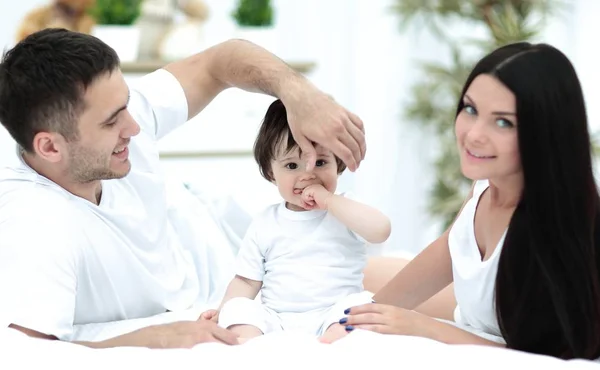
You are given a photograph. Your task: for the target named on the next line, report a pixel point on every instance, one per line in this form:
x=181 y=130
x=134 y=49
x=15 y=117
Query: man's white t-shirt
x=65 y=261
x=306 y=260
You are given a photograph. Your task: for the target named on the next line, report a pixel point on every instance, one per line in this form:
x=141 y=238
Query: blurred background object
x=434 y=98
x=164 y=35
x=254 y=19
x=115 y=26
x=69 y=14
x=372 y=59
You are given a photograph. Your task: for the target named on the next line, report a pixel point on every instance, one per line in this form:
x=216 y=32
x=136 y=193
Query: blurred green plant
x=434 y=99
x=116 y=12
x=253 y=13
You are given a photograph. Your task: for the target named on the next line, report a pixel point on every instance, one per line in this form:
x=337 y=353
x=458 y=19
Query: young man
x=83 y=223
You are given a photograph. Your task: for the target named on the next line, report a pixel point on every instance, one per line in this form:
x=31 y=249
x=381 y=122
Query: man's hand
x=317 y=118
x=182 y=334
x=211 y=315
x=315 y=197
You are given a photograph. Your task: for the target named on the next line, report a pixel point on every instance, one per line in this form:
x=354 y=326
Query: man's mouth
x=121 y=153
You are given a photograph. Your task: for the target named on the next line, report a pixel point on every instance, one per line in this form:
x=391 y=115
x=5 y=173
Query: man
x=84 y=234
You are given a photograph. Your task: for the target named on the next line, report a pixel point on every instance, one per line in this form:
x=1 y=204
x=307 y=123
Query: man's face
x=100 y=150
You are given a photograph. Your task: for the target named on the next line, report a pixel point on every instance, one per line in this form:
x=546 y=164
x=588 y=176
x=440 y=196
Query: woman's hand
x=383 y=319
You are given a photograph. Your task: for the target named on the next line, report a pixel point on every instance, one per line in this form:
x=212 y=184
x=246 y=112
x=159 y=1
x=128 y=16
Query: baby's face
x=291 y=177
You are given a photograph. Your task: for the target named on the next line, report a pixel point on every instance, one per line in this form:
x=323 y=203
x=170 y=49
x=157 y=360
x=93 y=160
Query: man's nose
x=131 y=127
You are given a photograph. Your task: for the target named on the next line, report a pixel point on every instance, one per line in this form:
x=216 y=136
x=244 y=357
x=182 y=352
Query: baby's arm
x=364 y=220
x=238 y=287
x=241 y=287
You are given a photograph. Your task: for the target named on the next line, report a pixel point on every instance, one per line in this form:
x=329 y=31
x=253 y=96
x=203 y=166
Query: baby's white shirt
x=306 y=260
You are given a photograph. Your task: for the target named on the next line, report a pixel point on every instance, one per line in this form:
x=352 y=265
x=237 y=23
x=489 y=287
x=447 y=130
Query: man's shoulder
x=24 y=193
x=157 y=102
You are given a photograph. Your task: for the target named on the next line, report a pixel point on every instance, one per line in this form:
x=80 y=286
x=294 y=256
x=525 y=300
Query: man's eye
x=291 y=166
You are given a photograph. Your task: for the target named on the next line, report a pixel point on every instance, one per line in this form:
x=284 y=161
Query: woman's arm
x=387 y=319
x=450 y=334
x=427 y=274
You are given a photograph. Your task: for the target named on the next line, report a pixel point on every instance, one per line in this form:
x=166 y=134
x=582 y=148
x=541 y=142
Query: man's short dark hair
x=273 y=131
x=43 y=80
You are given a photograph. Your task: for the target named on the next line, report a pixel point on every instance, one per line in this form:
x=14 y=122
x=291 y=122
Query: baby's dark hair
x=273 y=131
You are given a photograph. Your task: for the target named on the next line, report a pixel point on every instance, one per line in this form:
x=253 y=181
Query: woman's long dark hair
x=547 y=294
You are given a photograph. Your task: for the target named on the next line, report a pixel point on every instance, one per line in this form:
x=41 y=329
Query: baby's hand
x=212 y=315
x=315 y=197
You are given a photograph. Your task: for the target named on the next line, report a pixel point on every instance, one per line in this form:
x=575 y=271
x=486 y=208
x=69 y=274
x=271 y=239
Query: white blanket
x=359 y=350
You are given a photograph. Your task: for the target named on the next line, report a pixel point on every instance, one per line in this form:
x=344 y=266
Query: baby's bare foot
x=333 y=333
x=243 y=340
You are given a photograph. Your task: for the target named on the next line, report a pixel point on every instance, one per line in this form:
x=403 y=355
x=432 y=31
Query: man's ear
x=50 y=146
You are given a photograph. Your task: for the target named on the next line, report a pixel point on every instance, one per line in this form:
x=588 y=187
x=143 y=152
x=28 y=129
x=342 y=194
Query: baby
x=305 y=255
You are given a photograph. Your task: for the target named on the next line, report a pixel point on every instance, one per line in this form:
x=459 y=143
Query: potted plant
x=115 y=25
x=254 y=19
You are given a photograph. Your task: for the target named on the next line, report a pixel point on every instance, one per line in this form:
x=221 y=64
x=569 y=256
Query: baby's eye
x=291 y=166
x=321 y=163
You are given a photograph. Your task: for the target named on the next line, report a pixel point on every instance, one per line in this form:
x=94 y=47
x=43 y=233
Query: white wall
x=367 y=65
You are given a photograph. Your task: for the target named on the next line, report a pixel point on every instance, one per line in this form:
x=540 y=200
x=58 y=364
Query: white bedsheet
x=359 y=350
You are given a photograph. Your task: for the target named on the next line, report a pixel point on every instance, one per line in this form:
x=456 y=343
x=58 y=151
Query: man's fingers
x=350 y=142
x=359 y=136
x=224 y=335
x=308 y=151
x=345 y=154
x=357 y=122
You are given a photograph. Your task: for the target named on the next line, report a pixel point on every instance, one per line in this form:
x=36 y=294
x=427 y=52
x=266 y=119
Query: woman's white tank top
x=474 y=279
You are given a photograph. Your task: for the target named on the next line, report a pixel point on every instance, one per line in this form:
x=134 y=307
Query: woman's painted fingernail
x=343 y=320
x=349 y=328
x=346 y=311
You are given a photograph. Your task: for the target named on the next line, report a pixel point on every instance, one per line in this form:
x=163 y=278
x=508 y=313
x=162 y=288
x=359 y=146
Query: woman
x=523 y=252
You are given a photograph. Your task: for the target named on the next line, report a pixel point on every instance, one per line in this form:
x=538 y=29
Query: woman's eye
x=291 y=166
x=501 y=122
x=470 y=109
x=321 y=163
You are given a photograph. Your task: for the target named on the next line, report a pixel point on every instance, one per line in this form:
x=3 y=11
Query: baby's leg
x=333 y=329
x=246 y=317
x=333 y=333
x=246 y=332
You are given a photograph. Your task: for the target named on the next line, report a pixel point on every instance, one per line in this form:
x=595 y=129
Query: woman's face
x=486 y=131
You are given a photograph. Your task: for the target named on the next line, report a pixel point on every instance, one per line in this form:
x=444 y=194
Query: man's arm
x=313 y=116
x=182 y=334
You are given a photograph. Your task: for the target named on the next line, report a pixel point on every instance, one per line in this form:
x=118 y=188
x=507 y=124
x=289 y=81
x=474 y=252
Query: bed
x=224 y=224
